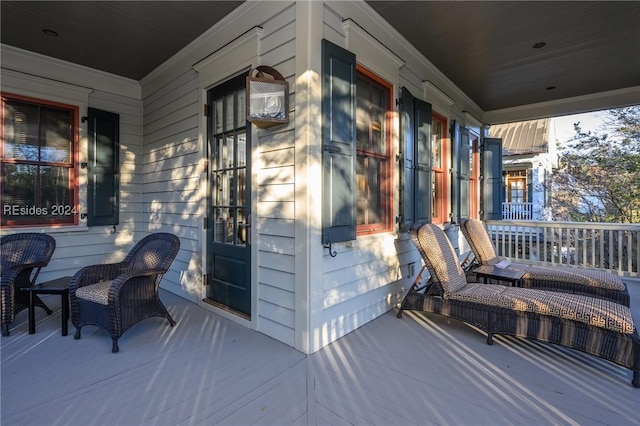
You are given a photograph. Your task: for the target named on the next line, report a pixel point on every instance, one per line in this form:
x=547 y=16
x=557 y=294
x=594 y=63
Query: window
x=373 y=103
x=439 y=165
x=516 y=190
x=38 y=149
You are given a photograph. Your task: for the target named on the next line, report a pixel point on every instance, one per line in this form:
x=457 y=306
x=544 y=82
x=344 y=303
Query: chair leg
x=491 y=319
x=115 y=349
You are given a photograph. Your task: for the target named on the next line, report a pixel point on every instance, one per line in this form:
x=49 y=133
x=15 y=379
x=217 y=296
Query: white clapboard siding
x=50 y=79
x=171 y=182
x=172 y=172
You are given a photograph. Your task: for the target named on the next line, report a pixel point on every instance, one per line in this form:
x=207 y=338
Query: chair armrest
x=128 y=280
x=10 y=274
x=95 y=273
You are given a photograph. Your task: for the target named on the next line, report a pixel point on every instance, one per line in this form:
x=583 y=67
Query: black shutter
x=103 y=188
x=415 y=169
x=339 y=143
x=492 y=190
x=461 y=173
x=423 y=161
x=455 y=170
x=465 y=175
x=407 y=159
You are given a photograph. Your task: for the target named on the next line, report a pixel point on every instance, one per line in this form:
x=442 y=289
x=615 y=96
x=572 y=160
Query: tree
x=598 y=178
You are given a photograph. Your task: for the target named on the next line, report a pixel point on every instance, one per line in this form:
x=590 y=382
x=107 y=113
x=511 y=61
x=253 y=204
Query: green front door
x=228 y=216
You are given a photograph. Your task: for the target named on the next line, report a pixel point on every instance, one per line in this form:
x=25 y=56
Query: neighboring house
x=298 y=231
x=528 y=158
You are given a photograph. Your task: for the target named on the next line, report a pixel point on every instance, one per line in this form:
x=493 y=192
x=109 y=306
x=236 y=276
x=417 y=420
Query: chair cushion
x=588 y=277
x=595 y=312
x=440 y=258
x=476 y=234
x=97 y=293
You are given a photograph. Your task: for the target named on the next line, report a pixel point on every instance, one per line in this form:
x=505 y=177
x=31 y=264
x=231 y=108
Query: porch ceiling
x=484 y=47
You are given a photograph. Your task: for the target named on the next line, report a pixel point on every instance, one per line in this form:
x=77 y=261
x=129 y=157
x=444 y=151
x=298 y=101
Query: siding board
x=277 y=279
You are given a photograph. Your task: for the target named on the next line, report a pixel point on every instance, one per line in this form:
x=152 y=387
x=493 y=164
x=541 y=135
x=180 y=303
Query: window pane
x=218 y=117
x=55 y=187
x=374 y=195
x=437 y=194
x=436 y=146
x=363 y=115
x=242 y=149
x=242 y=230
x=361 y=200
x=378 y=139
x=56 y=135
x=21 y=131
x=223 y=225
x=19 y=184
x=228 y=111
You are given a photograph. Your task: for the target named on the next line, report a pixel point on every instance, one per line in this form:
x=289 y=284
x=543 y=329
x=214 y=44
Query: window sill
x=48 y=229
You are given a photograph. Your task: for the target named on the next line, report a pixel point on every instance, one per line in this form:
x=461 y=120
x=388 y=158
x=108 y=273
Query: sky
x=588 y=121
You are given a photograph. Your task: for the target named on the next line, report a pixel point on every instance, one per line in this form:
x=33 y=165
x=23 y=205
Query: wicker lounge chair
x=588 y=282
x=23 y=255
x=596 y=326
x=117 y=296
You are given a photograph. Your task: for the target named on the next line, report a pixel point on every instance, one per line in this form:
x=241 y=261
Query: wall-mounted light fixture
x=267 y=97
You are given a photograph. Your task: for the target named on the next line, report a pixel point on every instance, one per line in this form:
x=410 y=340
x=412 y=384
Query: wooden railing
x=611 y=246
x=517 y=211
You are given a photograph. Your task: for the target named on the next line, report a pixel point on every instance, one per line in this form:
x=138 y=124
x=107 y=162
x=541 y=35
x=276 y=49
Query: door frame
x=205 y=183
x=234 y=253
x=236 y=57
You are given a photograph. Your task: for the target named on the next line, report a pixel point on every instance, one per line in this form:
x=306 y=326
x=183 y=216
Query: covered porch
x=421 y=369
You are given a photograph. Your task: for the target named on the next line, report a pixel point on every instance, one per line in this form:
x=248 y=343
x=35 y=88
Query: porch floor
x=421 y=369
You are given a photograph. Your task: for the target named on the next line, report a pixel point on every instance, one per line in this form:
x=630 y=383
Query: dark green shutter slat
x=465 y=175
x=455 y=170
x=407 y=156
x=103 y=187
x=423 y=161
x=492 y=190
x=339 y=144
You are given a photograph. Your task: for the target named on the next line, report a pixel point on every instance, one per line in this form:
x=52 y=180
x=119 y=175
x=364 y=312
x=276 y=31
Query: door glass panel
x=229 y=171
x=241 y=116
x=218 y=117
x=228 y=112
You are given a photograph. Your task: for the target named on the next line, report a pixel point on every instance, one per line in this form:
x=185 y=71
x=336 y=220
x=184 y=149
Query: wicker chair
x=23 y=255
x=588 y=282
x=596 y=326
x=117 y=296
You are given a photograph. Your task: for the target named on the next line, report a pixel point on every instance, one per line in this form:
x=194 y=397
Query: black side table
x=511 y=276
x=56 y=286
